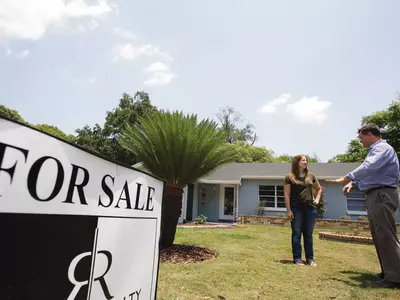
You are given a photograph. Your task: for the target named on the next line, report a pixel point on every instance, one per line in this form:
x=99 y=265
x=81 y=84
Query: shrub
x=361 y=218
x=200 y=219
x=344 y=218
x=280 y=214
x=260 y=209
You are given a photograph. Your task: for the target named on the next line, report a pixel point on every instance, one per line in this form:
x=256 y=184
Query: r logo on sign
x=79 y=284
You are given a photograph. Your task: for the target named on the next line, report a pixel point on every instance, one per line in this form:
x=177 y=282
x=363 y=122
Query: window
x=356 y=202
x=271 y=197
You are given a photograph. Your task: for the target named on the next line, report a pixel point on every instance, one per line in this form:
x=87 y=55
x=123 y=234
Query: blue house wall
x=335 y=201
x=211 y=208
x=248 y=196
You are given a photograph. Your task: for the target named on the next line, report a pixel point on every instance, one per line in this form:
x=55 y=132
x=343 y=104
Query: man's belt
x=380 y=187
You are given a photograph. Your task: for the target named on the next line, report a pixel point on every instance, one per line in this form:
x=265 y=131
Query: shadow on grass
x=358 y=279
x=285 y=261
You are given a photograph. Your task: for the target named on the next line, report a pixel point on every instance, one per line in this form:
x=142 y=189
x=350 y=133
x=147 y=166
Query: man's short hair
x=372 y=128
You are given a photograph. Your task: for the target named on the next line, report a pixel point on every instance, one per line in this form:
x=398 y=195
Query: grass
x=254 y=262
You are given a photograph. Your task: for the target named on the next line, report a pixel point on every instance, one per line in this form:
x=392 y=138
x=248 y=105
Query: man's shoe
x=385 y=284
x=381 y=275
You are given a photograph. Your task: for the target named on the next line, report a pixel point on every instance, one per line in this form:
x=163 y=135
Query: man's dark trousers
x=382 y=205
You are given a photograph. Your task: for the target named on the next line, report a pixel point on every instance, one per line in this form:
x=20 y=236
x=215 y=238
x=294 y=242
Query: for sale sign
x=73 y=225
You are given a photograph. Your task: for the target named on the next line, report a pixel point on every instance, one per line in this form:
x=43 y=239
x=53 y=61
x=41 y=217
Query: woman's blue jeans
x=303 y=223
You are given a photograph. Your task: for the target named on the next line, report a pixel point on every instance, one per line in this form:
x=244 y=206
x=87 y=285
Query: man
x=378 y=177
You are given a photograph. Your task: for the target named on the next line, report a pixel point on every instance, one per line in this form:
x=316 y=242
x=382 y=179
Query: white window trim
x=357 y=213
x=276 y=208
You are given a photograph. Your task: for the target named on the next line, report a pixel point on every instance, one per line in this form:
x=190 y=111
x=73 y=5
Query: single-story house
x=239 y=188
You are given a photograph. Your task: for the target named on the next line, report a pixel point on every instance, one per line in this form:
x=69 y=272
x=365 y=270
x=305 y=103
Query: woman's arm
x=286 y=191
x=318 y=189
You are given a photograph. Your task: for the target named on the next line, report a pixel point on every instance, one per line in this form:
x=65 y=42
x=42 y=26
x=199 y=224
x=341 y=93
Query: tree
x=128 y=111
x=389 y=122
x=11 y=114
x=50 y=129
x=179 y=149
x=54 y=131
x=247 y=153
x=229 y=121
x=93 y=139
x=286 y=158
x=314 y=158
x=104 y=140
x=355 y=153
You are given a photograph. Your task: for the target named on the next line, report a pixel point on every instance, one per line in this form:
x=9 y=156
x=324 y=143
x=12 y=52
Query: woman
x=302 y=195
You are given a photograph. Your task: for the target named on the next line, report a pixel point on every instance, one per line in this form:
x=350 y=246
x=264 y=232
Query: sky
x=303 y=73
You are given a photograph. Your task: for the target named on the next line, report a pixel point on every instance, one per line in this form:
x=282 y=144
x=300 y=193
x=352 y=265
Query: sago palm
x=179 y=149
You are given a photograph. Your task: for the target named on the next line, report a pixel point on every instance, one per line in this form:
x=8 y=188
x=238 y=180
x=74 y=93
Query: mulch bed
x=185 y=254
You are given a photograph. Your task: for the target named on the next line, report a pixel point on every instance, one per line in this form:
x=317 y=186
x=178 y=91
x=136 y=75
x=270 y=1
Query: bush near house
x=200 y=219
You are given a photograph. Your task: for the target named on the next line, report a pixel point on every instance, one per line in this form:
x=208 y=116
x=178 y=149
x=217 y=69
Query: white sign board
x=73 y=225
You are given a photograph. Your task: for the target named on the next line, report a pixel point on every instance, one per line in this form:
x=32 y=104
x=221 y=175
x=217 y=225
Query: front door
x=227 y=201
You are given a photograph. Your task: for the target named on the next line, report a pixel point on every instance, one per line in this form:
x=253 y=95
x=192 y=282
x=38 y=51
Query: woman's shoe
x=311 y=263
x=298 y=262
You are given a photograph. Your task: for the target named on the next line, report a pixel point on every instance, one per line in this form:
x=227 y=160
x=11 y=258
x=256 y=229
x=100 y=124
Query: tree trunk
x=172 y=207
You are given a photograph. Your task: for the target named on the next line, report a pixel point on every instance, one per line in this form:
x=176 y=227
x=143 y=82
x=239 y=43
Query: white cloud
x=9 y=51
x=282 y=99
x=92 y=80
x=22 y=54
x=88 y=26
x=93 y=24
x=270 y=107
x=160 y=74
x=27 y=19
x=125 y=33
x=309 y=110
x=19 y=54
x=157 y=67
x=131 y=52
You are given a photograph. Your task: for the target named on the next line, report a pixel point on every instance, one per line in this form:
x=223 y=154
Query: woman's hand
x=316 y=201
x=290 y=215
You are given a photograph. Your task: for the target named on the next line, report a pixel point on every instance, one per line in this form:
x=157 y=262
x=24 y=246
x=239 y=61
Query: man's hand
x=347 y=188
x=341 y=180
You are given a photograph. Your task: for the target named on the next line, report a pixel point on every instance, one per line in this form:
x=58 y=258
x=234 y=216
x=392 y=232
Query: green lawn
x=254 y=263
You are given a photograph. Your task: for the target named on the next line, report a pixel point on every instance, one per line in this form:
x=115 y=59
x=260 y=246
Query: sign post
x=73 y=225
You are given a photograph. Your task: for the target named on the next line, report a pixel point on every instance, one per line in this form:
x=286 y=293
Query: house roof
x=235 y=172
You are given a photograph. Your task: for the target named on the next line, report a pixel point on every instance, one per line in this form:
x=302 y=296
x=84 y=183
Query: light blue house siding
x=248 y=201
x=249 y=197
x=335 y=201
x=210 y=208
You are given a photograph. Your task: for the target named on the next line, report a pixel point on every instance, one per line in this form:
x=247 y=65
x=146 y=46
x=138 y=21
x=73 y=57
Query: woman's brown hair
x=294 y=175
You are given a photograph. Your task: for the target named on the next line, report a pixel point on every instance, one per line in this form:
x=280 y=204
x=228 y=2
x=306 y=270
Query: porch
x=218 y=202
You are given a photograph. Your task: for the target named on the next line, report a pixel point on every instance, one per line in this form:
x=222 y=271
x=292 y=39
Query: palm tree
x=180 y=150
